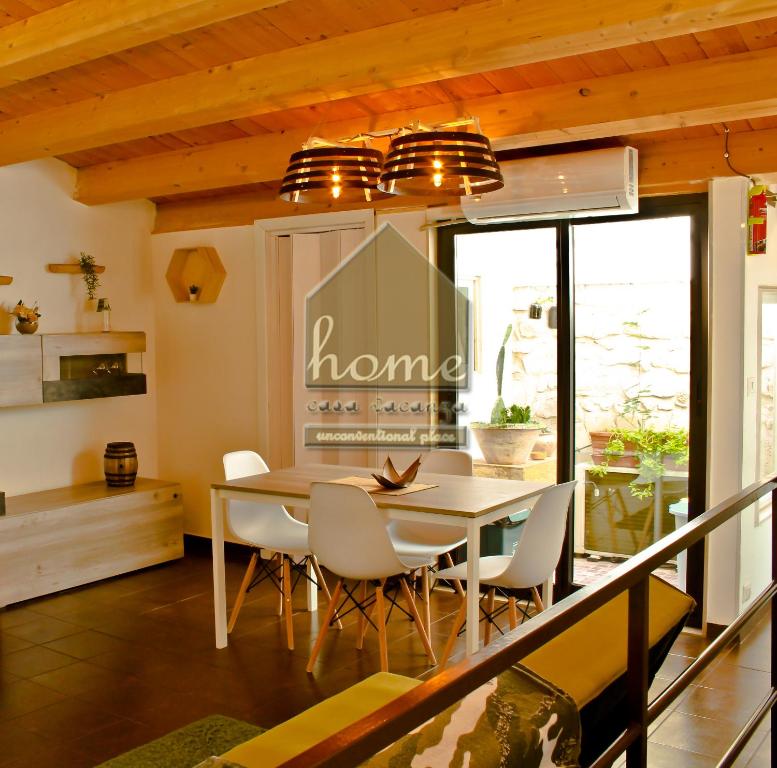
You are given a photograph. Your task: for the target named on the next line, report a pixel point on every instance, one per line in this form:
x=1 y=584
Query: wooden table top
x=454 y=495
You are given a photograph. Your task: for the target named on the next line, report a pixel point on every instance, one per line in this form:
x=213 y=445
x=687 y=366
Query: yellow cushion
x=590 y=655
x=294 y=736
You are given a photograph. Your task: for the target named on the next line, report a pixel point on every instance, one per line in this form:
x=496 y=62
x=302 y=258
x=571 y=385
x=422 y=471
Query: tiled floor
x=93 y=672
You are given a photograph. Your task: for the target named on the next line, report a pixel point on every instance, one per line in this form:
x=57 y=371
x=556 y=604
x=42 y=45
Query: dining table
x=468 y=502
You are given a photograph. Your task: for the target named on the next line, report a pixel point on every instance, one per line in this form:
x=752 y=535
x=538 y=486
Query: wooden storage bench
x=65 y=537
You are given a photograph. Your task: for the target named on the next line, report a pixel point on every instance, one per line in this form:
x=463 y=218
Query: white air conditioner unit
x=600 y=182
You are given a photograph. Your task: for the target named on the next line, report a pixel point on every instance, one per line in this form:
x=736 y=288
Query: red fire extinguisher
x=756 y=220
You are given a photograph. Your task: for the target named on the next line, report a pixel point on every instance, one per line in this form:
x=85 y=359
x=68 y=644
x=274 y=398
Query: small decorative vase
x=121 y=465
x=194 y=296
x=26 y=326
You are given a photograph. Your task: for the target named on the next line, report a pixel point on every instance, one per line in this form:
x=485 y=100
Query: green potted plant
x=91 y=279
x=508 y=438
x=652 y=451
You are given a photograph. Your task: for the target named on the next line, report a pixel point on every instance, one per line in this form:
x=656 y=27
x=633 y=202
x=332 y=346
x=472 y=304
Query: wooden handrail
x=362 y=739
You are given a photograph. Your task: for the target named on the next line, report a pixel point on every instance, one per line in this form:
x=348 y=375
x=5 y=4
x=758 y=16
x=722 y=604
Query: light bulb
x=437 y=179
x=336 y=191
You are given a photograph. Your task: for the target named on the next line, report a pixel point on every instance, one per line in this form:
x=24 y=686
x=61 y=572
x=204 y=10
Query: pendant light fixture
x=324 y=172
x=440 y=162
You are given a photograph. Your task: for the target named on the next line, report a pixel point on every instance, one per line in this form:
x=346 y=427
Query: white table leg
x=312 y=589
x=473 y=587
x=217 y=510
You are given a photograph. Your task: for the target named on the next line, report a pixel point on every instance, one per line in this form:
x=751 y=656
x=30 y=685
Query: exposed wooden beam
x=247 y=207
x=82 y=30
x=668 y=167
x=696 y=161
x=477 y=38
x=697 y=93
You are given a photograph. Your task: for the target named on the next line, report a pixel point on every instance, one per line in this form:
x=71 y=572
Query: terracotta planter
x=511 y=444
x=599 y=442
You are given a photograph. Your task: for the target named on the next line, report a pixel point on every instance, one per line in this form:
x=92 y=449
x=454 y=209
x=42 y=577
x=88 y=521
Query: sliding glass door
x=632 y=388
x=594 y=330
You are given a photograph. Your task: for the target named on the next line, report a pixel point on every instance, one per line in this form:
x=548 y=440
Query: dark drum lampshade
x=333 y=174
x=456 y=163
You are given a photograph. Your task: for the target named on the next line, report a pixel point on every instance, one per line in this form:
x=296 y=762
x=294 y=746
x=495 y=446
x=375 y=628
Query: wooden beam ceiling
x=82 y=30
x=483 y=37
x=246 y=207
x=697 y=93
x=664 y=167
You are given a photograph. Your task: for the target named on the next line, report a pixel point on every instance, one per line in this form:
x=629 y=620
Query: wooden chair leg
x=330 y=612
x=537 y=600
x=383 y=643
x=322 y=581
x=458 y=623
x=456 y=583
x=407 y=592
x=489 y=610
x=361 y=622
x=512 y=613
x=287 y=603
x=241 y=595
x=427 y=600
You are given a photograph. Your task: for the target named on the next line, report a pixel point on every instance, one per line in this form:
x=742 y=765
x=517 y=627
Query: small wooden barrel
x=121 y=464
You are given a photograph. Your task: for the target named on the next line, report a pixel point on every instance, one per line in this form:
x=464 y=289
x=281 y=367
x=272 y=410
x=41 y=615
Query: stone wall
x=632 y=341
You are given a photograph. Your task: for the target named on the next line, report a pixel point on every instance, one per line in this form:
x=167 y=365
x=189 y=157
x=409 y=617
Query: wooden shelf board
x=5 y=279
x=73 y=269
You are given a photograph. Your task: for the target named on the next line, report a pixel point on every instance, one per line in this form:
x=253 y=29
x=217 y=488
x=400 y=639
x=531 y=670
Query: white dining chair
x=531 y=564
x=349 y=535
x=269 y=527
x=415 y=539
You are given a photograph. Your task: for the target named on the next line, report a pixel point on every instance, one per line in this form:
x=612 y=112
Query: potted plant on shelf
x=652 y=451
x=508 y=438
x=26 y=317
x=91 y=279
x=194 y=292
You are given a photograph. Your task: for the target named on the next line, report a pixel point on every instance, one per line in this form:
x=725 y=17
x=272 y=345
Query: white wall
x=207 y=366
x=727 y=253
x=211 y=366
x=56 y=444
x=755 y=535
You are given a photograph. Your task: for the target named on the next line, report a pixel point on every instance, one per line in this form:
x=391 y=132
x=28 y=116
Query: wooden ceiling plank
x=245 y=208
x=499 y=33
x=82 y=30
x=698 y=93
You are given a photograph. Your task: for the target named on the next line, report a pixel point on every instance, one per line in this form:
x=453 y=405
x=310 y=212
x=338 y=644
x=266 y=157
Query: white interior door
x=314 y=255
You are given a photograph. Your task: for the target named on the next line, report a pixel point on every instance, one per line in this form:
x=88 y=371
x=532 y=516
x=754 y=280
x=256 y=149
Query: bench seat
x=587 y=662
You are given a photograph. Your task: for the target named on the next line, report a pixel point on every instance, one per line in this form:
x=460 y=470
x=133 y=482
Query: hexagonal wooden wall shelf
x=196 y=266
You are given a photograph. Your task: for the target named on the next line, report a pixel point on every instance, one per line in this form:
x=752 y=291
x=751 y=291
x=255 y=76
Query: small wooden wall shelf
x=196 y=266
x=5 y=279
x=73 y=269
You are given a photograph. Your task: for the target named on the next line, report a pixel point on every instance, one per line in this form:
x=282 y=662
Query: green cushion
x=294 y=736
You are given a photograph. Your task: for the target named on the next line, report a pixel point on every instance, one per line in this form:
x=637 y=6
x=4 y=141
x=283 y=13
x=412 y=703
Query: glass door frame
x=696 y=207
